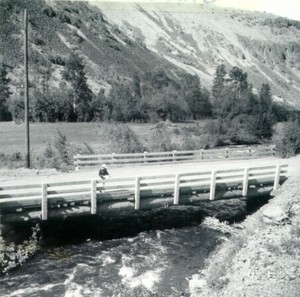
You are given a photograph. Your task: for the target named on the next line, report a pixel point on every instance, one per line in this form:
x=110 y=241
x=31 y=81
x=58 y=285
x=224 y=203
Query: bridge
x=46 y=200
x=254 y=152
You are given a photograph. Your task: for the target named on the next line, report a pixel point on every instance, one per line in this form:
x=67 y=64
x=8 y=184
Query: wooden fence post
x=145 y=157
x=277 y=177
x=137 y=195
x=226 y=153
x=245 y=182
x=201 y=154
x=177 y=189
x=76 y=163
x=44 y=203
x=273 y=150
x=213 y=185
x=174 y=158
x=93 y=196
x=113 y=158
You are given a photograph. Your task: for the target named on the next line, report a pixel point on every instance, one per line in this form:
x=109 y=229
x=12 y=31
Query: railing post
x=44 y=202
x=213 y=185
x=174 y=158
x=137 y=193
x=145 y=157
x=245 y=182
x=273 y=150
x=226 y=153
x=277 y=177
x=177 y=189
x=76 y=163
x=201 y=154
x=113 y=158
x=93 y=196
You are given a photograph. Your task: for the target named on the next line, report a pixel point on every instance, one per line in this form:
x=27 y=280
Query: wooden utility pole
x=26 y=99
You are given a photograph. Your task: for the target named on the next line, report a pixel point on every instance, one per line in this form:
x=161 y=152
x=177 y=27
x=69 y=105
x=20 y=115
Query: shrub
x=117 y=138
x=159 y=140
x=288 y=140
x=14 y=160
x=13 y=255
x=59 y=155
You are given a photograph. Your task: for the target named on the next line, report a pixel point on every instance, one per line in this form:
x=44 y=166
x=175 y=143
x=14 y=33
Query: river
x=153 y=263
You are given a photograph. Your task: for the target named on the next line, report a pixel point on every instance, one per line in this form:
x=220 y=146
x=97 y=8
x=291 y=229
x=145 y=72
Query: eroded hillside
x=118 y=41
x=198 y=37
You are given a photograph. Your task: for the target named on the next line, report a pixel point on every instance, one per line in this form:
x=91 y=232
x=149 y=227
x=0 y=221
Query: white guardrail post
x=76 y=162
x=137 y=193
x=113 y=155
x=145 y=157
x=273 y=150
x=174 y=155
x=201 y=153
x=245 y=182
x=177 y=189
x=44 y=203
x=277 y=177
x=226 y=153
x=213 y=185
x=93 y=196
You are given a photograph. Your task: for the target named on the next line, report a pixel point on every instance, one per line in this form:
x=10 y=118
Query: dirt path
x=25 y=176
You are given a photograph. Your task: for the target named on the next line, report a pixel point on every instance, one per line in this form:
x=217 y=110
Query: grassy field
x=12 y=136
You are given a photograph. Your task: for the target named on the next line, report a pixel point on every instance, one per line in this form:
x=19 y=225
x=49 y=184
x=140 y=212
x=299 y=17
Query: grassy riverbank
x=262 y=256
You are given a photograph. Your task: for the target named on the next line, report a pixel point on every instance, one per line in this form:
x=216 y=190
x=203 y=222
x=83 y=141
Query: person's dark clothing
x=103 y=172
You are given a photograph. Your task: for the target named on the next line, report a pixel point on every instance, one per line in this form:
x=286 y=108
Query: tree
x=136 y=82
x=288 y=140
x=196 y=97
x=265 y=115
x=219 y=81
x=238 y=79
x=82 y=95
x=98 y=106
x=125 y=103
x=5 y=93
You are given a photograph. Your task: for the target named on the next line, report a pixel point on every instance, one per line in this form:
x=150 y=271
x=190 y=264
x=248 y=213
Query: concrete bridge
x=45 y=198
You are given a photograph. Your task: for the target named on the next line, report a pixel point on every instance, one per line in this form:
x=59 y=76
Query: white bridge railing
x=140 y=192
x=173 y=156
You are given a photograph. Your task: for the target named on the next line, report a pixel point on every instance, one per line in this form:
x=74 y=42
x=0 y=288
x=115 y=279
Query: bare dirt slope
x=26 y=176
x=197 y=37
x=262 y=256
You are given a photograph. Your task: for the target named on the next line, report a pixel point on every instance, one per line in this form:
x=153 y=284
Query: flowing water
x=154 y=263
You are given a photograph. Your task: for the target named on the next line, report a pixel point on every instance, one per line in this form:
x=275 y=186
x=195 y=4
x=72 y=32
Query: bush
x=13 y=255
x=117 y=138
x=14 y=160
x=288 y=140
x=59 y=155
x=159 y=140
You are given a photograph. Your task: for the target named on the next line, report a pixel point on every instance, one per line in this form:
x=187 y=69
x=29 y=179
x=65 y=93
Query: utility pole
x=26 y=99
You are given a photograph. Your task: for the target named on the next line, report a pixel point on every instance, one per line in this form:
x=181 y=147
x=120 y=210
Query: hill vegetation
x=84 y=67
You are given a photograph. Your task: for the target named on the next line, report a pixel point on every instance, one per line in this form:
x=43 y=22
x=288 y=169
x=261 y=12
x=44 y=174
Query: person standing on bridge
x=103 y=174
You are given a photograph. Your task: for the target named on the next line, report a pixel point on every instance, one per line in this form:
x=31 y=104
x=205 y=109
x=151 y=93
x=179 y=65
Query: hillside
x=58 y=28
x=119 y=41
x=198 y=37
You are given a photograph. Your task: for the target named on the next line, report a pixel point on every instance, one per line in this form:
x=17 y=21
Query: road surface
x=25 y=176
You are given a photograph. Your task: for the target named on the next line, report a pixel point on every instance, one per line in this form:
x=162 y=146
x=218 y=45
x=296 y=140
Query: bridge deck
x=141 y=192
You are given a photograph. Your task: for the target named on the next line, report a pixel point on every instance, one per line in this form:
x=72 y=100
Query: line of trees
x=241 y=111
x=149 y=97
